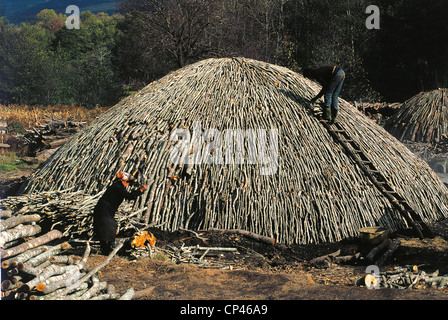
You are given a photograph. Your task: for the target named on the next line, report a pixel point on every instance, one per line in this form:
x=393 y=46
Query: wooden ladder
x=352 y=148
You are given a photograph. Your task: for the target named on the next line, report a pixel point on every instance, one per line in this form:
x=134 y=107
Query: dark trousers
x=107 y=247
x=332 y=94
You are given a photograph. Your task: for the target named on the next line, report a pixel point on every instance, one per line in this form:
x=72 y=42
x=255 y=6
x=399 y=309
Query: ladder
x=353 y=149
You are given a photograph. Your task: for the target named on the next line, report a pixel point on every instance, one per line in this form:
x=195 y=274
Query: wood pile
x=407 y=277
x=315 y=194
x=422 y=118
x=37 y=234
x=47 y=136
x=69 y=212
x=35 y=265
x=378 y=255
x=196 y=255
x=379 y=112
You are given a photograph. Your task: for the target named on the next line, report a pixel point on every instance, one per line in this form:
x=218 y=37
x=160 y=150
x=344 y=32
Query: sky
x=17 y=11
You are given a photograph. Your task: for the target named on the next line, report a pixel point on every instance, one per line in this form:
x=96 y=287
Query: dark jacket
x=104 y=224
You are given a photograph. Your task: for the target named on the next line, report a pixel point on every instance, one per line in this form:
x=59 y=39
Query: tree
x=89 y=55
x=45 y=63
x=50 y=20
x=33 y=73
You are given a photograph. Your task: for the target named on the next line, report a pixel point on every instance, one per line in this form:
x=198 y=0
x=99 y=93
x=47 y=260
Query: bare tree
x=177 y=28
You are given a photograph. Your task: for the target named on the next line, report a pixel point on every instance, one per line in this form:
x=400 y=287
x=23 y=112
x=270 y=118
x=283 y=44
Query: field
x=22 y=117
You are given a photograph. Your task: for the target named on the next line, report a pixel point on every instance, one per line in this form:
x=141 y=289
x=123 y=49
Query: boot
x=326 y=114
x=334 y=115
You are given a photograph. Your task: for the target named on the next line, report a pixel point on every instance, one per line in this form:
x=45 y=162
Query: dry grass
x=24 y=116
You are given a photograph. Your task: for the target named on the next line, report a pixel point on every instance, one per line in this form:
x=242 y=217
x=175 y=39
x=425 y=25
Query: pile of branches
x=442 y=145
x=196 y=255
x=379 y=112
x=35 y=265
x=423 y=118
x=47 y=136
x=407 y=277
x=378 y=255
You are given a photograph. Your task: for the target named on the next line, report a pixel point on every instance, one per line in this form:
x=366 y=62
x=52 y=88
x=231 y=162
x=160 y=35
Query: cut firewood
x=128 y=295
x=18 y=232
x=325 y=260
x=347 y=259
x=376 y=250
x=392 y=247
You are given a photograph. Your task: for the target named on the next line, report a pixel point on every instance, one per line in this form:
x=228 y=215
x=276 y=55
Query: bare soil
x=266 y=272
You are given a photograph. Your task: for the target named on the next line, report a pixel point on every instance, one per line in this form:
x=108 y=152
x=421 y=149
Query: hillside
x=20 y=11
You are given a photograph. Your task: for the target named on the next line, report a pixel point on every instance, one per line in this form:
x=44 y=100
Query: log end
x=40 y=287
x=6 y=284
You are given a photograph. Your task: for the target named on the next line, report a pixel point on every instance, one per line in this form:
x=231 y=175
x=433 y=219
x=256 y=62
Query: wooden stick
x=16 y=220
x=91 y=272
x=18 y=232
x=128 y=295
x=248 y=234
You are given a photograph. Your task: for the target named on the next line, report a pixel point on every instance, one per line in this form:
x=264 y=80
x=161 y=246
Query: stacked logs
x=36 y=264
x=422 y=118
x=378 y=112
x=317 y=194
x=50 y=134
x=69 y=212
x=37 y=268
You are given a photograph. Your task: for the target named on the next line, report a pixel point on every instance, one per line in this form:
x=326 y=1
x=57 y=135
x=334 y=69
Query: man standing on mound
x=331 y=78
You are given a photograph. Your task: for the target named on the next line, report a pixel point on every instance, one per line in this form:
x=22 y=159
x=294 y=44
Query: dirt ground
x=265 y=272
x=259 y=271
